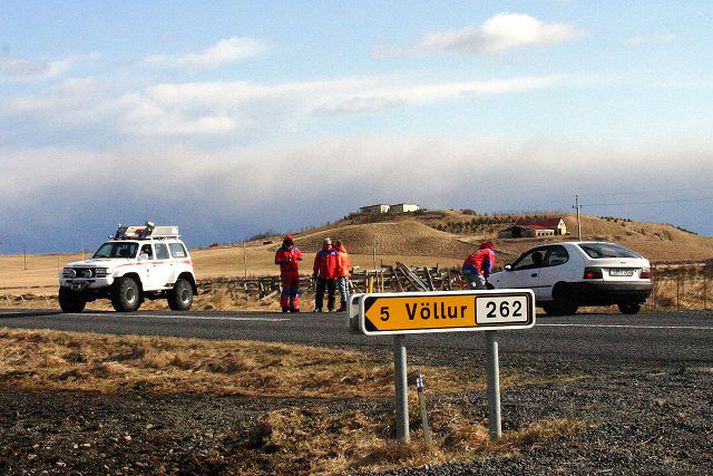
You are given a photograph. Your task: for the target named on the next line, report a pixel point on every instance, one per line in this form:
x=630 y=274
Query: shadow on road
x=21 y=314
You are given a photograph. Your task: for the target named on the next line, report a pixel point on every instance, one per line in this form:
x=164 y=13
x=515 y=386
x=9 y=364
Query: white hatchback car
x=567 y=275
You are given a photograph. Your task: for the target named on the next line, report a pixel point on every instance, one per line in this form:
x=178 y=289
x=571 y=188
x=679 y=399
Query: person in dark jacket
x=288 y=257
x=325 y=272
x=479 y=265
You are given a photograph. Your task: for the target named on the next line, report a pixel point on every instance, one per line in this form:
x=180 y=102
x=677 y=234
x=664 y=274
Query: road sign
x=445 y=311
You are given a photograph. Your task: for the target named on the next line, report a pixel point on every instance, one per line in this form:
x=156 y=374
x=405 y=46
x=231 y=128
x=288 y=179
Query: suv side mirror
x=508 y=267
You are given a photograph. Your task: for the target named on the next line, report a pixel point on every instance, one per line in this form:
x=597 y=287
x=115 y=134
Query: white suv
x=138 y=263
x=567 y=275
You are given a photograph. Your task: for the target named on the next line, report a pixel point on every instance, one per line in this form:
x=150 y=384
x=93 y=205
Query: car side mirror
x=508 y=267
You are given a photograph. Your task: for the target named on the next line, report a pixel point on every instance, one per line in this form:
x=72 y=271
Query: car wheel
x=560 y=308
x=70 y=301
x=562 y=304
x=126 y=295
x=629 y=307
x=180 y=297
x=566 y=308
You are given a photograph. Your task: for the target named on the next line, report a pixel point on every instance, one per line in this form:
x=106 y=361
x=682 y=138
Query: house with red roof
x=535 y=228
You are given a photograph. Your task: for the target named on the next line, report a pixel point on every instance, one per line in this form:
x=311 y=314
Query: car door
x=554 y=270
x=162 y=273
x=525 y=271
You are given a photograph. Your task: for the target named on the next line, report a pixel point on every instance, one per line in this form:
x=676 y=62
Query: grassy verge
x=310 y=439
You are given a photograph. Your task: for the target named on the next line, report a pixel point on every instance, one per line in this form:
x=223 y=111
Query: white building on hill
x=384 y=208
x=379 y=208
x=404 y=208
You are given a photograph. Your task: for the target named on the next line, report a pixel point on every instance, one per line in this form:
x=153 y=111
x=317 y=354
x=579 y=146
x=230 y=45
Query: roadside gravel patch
x=646 y=421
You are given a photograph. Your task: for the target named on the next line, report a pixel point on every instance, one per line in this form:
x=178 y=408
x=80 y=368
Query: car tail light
x=593 y=273
x=645 y=273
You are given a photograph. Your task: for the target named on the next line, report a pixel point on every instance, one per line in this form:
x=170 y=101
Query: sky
x=231 y=119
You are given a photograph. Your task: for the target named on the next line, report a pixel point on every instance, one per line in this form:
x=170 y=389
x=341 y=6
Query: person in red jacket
x=325 y=271
x=288 y=257
x=344 y=268
x=479 y=265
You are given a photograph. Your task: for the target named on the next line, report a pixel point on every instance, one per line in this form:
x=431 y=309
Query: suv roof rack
x=145 y=232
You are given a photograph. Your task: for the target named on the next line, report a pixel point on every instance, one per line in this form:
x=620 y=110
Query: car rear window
x=177 y=250
x=607 y=250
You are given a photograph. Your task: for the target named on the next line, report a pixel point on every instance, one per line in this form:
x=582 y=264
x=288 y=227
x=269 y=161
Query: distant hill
x=454 y=233
x=425 y=238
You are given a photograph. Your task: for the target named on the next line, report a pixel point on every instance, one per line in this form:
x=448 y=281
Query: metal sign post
x=400 y=314
x=400 y=374
x=492 y=367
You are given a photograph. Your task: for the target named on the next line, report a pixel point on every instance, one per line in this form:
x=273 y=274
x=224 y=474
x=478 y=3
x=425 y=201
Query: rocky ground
x=651 y=418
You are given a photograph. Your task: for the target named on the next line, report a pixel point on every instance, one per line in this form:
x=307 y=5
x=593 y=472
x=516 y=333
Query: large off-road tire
x=629 y=307
x=126 y=295
x=180 y=297
x=71 y=301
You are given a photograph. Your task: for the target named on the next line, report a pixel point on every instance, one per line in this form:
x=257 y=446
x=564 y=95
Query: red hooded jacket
x=482 y=261
x=344 y=264
x=287 y=258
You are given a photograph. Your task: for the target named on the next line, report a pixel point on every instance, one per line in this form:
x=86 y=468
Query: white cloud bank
x=499 y=33
x=224 y=108
x=221 y=196
x=225 y=51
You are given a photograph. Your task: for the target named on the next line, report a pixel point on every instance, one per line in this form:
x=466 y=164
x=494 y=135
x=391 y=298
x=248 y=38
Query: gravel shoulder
x=655 y=419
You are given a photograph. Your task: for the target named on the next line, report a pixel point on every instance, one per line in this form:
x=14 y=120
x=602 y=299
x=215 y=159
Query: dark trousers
x=331 y=286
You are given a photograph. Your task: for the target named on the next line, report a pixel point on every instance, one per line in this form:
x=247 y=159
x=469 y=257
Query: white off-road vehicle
x=137 y=263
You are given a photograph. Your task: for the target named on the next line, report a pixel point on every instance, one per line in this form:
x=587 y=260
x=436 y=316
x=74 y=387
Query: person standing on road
x=344 y=267
x=478 y=266
x=288 y=257
x=325 y=271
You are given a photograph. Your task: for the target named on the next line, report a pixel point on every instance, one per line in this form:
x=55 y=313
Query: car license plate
x=621 y=272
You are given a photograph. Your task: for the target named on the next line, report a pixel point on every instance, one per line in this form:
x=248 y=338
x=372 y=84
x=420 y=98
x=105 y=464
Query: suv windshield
x=607 y=250
x=117 y=250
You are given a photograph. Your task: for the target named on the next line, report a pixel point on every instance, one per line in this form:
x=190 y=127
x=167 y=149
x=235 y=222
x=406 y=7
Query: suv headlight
x=102 y=272
x=69 y=273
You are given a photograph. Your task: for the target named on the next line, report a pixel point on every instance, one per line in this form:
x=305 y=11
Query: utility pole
x=578 y=207
x=245 y=263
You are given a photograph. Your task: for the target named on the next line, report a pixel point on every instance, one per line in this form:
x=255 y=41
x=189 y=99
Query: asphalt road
x=683 y=337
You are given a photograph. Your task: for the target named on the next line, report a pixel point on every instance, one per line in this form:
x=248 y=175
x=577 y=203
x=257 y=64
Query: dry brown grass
x=314 y=439
x=291 y=433
x=37 y=360
x=43 y=359
x=687 y=293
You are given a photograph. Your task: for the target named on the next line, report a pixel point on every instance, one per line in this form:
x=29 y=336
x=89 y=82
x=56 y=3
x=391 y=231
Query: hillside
x=421 y=239
x=453 y=233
